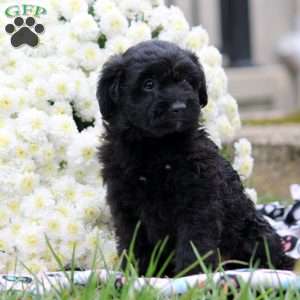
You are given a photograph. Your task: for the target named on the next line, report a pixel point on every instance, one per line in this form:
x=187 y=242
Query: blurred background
x=260 y=43
x=251 y=35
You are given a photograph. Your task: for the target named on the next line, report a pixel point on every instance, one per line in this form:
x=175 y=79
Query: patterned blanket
x=285 y=219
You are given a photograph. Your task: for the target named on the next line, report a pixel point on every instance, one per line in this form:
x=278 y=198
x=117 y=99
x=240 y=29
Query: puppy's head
x=155 y=87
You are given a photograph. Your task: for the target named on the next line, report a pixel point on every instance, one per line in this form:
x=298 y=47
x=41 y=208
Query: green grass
x=108 y=291
x=210 y=292
x=289 y=119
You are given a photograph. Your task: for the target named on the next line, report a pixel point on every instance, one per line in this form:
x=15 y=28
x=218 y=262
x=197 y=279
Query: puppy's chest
x=157 y=198
x=160 y=189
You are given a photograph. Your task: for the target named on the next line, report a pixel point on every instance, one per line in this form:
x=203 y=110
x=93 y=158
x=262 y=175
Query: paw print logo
x=24 y=32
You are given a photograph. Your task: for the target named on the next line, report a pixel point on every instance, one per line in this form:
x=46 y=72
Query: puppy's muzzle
x=177 y=107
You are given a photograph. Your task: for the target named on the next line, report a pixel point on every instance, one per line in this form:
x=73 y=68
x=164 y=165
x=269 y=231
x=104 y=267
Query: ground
x=276 y=149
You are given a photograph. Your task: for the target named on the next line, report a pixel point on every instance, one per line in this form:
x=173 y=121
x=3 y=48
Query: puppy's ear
x=202 y=90
x=108 y=90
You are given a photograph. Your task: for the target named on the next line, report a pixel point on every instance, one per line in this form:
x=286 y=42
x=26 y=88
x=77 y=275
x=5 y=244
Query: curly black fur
x=163 y=171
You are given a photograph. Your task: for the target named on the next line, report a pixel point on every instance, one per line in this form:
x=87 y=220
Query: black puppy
x=162 y=170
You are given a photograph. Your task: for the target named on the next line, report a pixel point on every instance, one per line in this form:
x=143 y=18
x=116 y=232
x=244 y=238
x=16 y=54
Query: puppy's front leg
x=126 y=226
x=205 y=237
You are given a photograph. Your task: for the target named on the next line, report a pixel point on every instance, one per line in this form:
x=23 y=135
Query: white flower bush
x=50 y=125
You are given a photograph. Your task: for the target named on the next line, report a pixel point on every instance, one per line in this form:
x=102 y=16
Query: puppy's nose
x=177 y=107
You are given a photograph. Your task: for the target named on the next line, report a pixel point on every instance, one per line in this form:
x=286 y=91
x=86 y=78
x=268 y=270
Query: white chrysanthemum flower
x=12 y=61
x=41 y=64
x=102 y=7
x=84 y=27
x=244 y=166
x=236 y=122
x=88 y=176
x=68 y=247
x=8 y=81
x=196 y=39
x=7 y=142
x=88 y=210
x=31 y=240
x=56 y=64
x=23 y=99
x=49 y=170
x=86 y=105
x=243 y=147
x=229 y=106
x=62 y=129
x=70 y=8
x=27 y=182
x=27 y=165
x=166 y=36
x=32 y=125
x=225 y=129
x=213 y=133
x=52 y=36
x=39 y=93
x=73 y=229
x=33 y=148
x=134 y=8
x=26 y=74
x=157 y=2
x=21 y=151
x=93 y=78
x=82 y=151
x=54 y=4
x=66 y=189
x=210 y=56
x=90 y=55
x=4 y=216
x=60 y=152
x=252 y=194
x=39 y=201
x=68 y=50
x=60 y=108
x=96 y=240
x=34 y=265
x=91 y=193
x=81 y=79
x=93 y=239
x=138 y=32
x=61 y=87
x=52 y=224
x=157 y=15
x=210 y=111
x=217 y=84
x=108 y=249
x=6 y=242
x=113 y=23
x=13 y=205
x=118 y=45
x=66 y=210
x=16 y=224
x=7 y=179
x=8 y=102
x=175 y=25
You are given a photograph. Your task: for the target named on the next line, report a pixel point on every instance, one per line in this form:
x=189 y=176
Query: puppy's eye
x=148 y=85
